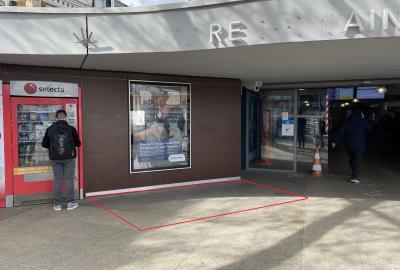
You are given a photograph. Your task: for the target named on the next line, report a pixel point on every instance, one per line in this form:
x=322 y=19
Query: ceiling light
x=382 y=89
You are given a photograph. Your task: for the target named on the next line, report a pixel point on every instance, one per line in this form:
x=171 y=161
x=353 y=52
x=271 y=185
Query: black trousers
x=301 y=137
x=355 y=163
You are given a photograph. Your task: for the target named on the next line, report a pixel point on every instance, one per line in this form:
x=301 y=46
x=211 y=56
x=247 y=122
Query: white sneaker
x=355 y=181
x=72 y=205
x=57 y=207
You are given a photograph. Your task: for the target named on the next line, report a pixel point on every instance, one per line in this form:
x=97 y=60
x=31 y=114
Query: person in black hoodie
x=354 y=130
x=62 y=139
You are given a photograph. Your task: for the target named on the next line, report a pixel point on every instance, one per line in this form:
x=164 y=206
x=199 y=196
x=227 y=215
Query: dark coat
x=354 y=131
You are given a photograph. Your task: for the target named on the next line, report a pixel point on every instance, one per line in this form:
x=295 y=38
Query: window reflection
x=277 y=147
x=32 y=122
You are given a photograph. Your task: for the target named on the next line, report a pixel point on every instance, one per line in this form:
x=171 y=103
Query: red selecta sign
x=30 y=88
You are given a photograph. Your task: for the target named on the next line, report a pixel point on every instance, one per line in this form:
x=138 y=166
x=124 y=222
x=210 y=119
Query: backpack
x=62 y=144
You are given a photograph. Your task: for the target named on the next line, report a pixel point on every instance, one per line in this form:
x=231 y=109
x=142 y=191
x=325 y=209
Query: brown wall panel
x=105 y=121
x=215 y=126
x=42 y=74
x=215 y=133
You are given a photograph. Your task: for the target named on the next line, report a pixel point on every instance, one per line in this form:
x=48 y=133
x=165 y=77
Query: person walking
x=354 y=130
x=301 y=131
x=61 y=140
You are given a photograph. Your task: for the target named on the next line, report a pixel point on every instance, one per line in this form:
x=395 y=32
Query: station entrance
x=284 y=128
x=381 y=106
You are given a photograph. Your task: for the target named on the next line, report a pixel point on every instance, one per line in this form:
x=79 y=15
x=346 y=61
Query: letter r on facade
x=215 y=31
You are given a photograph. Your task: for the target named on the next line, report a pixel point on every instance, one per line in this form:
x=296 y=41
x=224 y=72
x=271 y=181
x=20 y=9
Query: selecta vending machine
x=28 y=109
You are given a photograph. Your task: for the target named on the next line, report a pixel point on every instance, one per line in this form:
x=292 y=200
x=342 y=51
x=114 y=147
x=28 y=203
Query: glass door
x=277 y=139
x=32 y=173
x=311 y=129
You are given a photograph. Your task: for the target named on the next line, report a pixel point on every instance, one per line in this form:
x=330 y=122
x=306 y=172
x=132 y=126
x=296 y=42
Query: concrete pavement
x=340 y=226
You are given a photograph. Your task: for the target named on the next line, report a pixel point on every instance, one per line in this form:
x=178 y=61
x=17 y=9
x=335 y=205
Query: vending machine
x=29 y=108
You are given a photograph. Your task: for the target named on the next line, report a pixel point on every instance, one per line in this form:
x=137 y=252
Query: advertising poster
x=159 y=126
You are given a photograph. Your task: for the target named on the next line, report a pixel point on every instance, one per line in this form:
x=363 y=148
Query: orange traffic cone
x=317 y=168
x=265 y=156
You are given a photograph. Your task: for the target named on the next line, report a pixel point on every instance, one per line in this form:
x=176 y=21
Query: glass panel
x=253 y=125
x=32 y=122
x=310 y=133
x=311 y=103
x=311 y=129
x=160 y=126
x=277 y=147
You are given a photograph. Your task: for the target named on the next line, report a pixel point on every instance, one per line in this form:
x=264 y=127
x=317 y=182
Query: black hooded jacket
x=354 y=130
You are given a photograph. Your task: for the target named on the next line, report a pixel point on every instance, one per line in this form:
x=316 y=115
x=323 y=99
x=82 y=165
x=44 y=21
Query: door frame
x=293 y=92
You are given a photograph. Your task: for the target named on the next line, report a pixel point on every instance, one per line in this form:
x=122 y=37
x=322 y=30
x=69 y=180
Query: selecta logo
x=30 y=88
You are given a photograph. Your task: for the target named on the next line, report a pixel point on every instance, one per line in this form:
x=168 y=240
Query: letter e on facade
x=235 y=30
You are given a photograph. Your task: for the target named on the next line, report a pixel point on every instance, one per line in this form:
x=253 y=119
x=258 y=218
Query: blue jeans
x=63 y=169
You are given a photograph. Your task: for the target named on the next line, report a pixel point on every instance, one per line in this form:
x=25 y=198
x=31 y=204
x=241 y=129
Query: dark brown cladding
x=215 y=126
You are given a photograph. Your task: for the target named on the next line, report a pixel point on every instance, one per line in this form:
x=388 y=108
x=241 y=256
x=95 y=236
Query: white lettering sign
x=388 y=16
x=372 y=20
x=354 y=22
x=235 y=32
x=43 y=89
x=388 y=19
x=215 y=31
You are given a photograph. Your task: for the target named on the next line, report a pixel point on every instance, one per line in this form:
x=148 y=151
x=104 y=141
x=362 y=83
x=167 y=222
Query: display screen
x=370 y=92
x=341 y=93
x=159 y=126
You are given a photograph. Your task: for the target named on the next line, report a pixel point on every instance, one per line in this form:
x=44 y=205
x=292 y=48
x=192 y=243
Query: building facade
x=169 y=94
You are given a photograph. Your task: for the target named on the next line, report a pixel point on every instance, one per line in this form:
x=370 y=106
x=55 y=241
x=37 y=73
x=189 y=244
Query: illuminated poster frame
x=159 y=126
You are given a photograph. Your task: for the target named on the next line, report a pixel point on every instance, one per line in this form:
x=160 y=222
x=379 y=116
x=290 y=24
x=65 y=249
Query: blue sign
x=157 y=151
x=288 y=128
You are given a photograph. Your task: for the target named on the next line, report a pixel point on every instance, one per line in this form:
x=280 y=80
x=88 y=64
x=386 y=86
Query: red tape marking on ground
x=131 y=224
x=221 y=215
x=113 y=213
x=274 y=188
